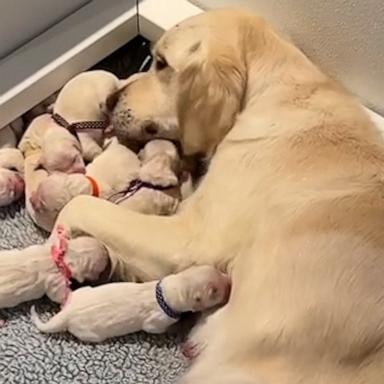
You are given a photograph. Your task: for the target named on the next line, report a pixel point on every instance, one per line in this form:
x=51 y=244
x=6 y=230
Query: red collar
x=58 y=252
x=95 y=186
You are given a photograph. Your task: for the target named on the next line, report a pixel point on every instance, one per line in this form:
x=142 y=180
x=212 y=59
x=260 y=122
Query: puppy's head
x=203 y=287
x=56 y=191
x=196 y=85
x=62 y=153
x=84 y=97
x=160 y=163
x=87 y=259
x=11 y=186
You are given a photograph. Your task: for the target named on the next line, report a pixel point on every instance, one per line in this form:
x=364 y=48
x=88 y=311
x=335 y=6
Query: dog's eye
x=160 y=63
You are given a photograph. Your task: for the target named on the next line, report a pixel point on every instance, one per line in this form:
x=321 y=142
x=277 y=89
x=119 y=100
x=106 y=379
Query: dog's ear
x=210 y=94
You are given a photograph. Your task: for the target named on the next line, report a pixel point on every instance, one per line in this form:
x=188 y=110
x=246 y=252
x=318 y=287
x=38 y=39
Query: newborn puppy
x=159 y=185
x=59 y=149
x=11 y=179
x=83 y=99
x=96 y=314
x=30 y=273
x=108 y=174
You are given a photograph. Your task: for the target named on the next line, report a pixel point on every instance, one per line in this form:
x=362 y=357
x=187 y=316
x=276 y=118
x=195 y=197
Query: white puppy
x=108 y=174
x=157 y=190
x=151 y=188
x=30 y=273
x=96 y=314
x=82 y=101
x=11 y=175
x=59 y=149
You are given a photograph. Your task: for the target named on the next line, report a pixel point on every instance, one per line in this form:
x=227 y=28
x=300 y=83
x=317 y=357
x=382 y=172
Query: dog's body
x=11 y=175
x=31 y=273
x=84 y=98
x=96 y=314
x=59 y=150
x=38 y=157
x=291 y=205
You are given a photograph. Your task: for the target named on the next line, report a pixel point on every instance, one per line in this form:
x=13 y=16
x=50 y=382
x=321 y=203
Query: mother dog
x=292 y=204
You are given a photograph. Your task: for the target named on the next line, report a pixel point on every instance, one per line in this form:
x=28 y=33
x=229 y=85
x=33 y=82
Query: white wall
x=345 y=37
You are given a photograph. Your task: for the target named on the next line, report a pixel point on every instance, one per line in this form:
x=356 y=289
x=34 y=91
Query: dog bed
x=27 y=356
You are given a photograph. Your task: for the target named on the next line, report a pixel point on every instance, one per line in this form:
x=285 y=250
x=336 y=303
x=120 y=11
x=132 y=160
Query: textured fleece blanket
x=28 y=357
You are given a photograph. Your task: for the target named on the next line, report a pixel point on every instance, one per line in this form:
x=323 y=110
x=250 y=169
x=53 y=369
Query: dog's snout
x=150 y=128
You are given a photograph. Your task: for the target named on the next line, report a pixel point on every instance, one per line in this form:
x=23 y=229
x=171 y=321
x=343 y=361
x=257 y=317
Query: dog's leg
x=144 y=246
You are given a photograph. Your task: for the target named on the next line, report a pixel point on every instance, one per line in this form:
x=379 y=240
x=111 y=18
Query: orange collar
x=95 y=186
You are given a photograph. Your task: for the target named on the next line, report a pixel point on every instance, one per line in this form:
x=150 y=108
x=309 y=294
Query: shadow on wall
x=346 y=38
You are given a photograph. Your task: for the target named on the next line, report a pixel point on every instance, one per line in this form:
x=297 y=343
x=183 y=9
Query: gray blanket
x=28 y=357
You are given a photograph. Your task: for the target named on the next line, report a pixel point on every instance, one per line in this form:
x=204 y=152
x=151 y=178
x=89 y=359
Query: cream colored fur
x=84 y=98
x=113 y=171
x=59 y=149
x=29 y=274
x=292 y=205
x=45 y=144
x=110 y=310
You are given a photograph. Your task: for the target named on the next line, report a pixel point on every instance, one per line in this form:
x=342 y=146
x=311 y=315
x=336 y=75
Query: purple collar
x=134 y=186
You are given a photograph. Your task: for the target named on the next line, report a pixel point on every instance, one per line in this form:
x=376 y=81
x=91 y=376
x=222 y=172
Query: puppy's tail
x=55 y=324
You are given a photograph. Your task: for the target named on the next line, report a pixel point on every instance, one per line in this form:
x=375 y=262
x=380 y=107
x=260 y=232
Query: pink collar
x=58 y=251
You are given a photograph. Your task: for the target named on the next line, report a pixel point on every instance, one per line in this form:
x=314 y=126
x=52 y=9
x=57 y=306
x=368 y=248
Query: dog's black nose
x=150 y=128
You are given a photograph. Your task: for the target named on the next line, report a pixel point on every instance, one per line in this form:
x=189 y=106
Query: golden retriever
x=292 y=205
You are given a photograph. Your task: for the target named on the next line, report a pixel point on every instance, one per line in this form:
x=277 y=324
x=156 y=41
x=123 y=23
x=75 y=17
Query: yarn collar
x=134 y=186
x=163 y=303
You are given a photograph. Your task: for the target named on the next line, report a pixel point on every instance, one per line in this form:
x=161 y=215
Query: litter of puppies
x=68 y=149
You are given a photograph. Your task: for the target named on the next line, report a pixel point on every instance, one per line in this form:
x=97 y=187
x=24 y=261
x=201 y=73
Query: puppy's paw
x=190 y=351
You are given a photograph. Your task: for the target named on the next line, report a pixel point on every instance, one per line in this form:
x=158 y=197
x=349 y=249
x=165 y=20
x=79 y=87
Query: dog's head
x=195 y=87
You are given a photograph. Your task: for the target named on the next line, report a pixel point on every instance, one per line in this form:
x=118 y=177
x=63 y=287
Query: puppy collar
x=95 y=186
x=134 y=186
x=81 y=125
x=163 y=304
x=58 y=252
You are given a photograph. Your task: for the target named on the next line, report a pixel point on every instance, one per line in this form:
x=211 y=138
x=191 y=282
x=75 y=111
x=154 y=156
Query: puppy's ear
x=210 y=96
